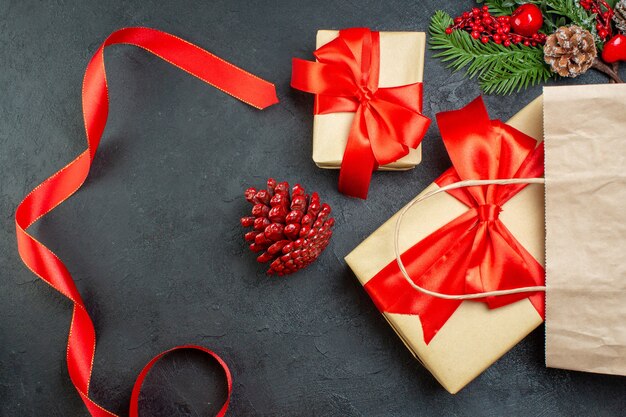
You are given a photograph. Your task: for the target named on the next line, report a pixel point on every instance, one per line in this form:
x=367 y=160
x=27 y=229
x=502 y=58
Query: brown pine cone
x=290 y=231
x=570 y=51
x=619 y=16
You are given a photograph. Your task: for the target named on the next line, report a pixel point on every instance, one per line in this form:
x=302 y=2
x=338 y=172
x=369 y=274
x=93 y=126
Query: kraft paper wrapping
x=585 y=228
x=474 y=337
x=401 y=63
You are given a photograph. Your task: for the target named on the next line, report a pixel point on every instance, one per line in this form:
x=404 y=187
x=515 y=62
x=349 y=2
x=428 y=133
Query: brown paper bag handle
x=455 y=185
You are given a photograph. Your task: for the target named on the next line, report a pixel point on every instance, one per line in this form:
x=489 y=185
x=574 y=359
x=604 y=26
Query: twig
x=609 y=71
x=615 y=68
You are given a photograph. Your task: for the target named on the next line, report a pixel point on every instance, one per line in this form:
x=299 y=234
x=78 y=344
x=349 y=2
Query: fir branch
x=505 y=81
x=500 y=69
x=571 y=11
x=556 y=13
x=500 y=7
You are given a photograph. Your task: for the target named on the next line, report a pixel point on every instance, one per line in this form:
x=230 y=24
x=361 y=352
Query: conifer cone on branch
x=619 y=16
x=570 y=51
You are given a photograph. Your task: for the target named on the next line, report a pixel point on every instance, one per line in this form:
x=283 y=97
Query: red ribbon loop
x=134 y=397
x=81 y=344
x=474 y=252
x=387 y=121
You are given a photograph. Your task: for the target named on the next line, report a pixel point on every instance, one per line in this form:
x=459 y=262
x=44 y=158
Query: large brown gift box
x=401 y=63
x=474 y=337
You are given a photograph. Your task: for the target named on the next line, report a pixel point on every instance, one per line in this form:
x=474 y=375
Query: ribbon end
x=353 y=191
x=271 y=99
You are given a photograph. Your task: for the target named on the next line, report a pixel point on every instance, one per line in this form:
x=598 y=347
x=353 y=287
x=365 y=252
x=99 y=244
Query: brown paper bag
x=474 y=337
x=585 y=172
x=401 y=63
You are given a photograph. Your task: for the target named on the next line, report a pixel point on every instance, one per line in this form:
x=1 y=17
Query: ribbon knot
x=460 y=258
x=387 y=121
x=364 y=95
x=488 y=212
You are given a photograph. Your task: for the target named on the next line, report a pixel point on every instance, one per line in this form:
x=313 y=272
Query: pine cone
x=619 y=16
x=290 y=231
x=570 y=51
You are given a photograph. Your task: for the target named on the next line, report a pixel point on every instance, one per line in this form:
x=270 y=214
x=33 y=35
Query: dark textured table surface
x=154 y=243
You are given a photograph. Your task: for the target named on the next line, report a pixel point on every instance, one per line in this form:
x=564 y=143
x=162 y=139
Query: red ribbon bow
x=81 y=344
x=474 y=252
x=388 y=121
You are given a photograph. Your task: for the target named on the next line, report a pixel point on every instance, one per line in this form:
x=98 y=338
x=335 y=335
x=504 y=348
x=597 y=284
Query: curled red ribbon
x=53 y=191
x=134 y=397
x=387 y=121
x=474 y=252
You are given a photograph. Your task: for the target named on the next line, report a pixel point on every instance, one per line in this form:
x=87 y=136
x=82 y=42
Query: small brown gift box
x=474 y=337
x=401 y=63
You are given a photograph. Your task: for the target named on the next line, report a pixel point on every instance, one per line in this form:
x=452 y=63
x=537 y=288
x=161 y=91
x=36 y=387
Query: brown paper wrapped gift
x=585 y=228
x=474 y=337
x=401 y=63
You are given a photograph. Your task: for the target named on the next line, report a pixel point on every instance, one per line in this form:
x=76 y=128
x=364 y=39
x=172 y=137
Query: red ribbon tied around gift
x=81 y=344
x=475 y=252
x=387 y=121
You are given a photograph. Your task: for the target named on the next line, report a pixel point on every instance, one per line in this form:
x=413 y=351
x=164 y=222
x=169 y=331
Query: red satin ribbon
x=134 y=397
x=387 y=121
x=40 y=260
x=474 y=252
